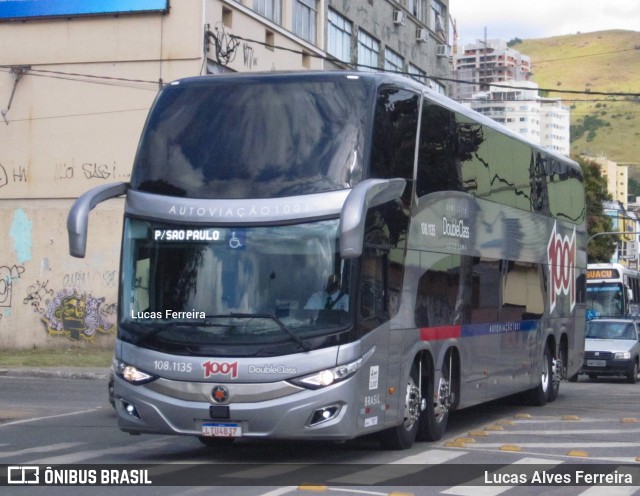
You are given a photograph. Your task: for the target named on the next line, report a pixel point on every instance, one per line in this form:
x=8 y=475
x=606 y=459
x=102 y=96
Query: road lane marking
x=35 y=419
x=39 y=449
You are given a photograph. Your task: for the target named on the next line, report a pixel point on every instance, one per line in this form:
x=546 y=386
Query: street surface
x=58 y=421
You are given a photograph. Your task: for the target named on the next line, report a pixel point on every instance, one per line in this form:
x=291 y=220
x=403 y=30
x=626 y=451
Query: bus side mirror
x=369 y=193
x=78 y=218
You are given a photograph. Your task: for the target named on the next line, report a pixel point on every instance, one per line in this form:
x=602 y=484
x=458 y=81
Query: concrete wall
x=74 y=123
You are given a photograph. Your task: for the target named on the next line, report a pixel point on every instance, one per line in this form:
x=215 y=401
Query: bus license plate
x=221 y=430
x=596 y=363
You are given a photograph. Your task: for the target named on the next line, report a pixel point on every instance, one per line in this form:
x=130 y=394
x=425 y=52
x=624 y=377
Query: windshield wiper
x=281 y=324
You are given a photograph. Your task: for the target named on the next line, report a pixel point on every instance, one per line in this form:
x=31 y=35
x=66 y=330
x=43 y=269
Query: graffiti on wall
x=17 y=174
x=89 y=170
x=78 y=316
x=36 y=296
x=7 y=276
x=14 y=176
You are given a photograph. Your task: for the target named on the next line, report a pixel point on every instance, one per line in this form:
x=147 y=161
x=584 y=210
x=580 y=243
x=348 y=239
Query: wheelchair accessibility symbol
x=236 y=241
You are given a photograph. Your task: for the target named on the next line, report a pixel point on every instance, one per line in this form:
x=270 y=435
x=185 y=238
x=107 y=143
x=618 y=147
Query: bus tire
x=539 y=395
x=434 y=418
x=632 y=377
x=403 y=436
x=556 y=376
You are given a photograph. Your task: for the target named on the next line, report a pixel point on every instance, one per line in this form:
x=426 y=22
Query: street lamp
x=614 y=233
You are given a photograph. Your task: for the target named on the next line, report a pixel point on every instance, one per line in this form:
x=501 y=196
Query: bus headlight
x=327 y=377
x=132 y=374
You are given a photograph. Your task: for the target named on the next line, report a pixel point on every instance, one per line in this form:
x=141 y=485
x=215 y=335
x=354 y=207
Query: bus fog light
x=130 y=410
x=324 y=414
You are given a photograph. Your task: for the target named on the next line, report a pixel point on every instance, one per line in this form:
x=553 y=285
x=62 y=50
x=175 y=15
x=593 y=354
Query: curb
x=56 y=372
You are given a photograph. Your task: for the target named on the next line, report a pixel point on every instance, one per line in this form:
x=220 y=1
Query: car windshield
x=203 y=290
x=610 y=330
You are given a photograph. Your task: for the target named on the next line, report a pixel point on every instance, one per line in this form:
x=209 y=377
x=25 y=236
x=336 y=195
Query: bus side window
x=373 y=300
x=394 y=135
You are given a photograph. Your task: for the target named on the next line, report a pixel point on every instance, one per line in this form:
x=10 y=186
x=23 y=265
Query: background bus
x=612 y=290
x=457 y=250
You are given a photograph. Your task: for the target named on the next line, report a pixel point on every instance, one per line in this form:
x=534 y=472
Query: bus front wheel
x=403 y=436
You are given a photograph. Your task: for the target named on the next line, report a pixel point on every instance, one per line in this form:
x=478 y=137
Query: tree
x=601 y=248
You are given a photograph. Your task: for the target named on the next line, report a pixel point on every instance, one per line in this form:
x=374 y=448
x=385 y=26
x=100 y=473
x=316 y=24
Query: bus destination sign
x=188 y=235
x=602 y=274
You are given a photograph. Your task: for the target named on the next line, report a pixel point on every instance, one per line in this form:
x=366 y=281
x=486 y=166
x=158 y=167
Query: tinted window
x=458 y=154
x=394 y=134
x=252 y=138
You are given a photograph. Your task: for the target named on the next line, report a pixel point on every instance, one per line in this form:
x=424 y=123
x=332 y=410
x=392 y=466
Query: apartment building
x=484 y=62
x=76 y=82
x=517 y=105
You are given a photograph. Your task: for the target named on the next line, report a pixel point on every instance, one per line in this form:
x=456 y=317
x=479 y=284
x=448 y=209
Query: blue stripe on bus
x=472 y=330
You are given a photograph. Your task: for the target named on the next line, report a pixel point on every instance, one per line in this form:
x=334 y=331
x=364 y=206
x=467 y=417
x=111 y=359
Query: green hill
x=604 y=61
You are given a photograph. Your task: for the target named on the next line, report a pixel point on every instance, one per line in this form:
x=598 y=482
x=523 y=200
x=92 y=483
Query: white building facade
x=516 y=104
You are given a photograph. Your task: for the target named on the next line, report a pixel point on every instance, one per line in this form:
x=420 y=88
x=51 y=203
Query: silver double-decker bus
x=325 y=255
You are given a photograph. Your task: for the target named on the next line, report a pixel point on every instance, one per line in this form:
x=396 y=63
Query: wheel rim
x=544 y=378
x=442 y=402
x=411 y=405
x=556 y=372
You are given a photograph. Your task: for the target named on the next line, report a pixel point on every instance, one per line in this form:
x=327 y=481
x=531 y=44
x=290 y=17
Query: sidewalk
x=96 y=373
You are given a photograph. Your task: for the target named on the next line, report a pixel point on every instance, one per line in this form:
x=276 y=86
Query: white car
x=612 y=347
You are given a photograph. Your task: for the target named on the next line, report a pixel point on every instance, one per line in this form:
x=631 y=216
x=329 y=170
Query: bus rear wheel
x=434 y=418
x=539 y=396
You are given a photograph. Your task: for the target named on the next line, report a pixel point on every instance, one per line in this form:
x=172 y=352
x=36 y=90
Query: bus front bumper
x=327 y=413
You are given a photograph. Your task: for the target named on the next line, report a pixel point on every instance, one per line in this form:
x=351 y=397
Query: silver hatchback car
x=612 y=347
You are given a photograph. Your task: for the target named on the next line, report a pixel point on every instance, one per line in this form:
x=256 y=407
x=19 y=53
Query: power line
x=327 y=57
x=586 y=55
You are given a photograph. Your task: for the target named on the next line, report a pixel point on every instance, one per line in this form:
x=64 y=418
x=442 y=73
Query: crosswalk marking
x=429 y=457
x=481 y=489
x=83 y=456
x=406 y=466
x=563 y=445
x=561 y=432
x=260 y=471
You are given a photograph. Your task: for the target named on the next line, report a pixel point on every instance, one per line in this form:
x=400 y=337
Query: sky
x=508 y=19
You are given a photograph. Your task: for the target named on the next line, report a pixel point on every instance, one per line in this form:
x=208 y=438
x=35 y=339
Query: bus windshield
x=246 y=290
x=227 y=138
x=605 y=300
